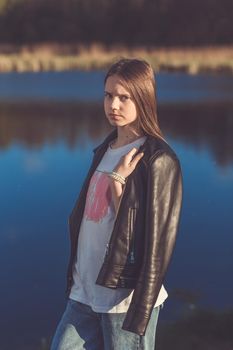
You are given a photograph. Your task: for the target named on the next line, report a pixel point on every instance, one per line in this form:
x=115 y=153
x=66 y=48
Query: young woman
x=123 y=226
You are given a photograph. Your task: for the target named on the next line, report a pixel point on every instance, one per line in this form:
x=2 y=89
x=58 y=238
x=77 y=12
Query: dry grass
x=55 y=57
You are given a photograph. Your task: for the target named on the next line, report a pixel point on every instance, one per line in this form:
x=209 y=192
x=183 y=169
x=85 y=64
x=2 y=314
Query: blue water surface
x=79 y=85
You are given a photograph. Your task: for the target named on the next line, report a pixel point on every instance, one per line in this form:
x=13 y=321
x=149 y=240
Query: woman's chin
x=115 y=122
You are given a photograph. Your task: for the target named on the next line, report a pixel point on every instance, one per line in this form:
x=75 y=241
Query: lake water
x=49 y=124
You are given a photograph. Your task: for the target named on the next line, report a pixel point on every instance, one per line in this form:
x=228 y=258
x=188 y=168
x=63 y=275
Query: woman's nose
x=115 y=103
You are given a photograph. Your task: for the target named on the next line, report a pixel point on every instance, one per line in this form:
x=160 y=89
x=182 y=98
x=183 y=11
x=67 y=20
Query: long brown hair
x=137 y=76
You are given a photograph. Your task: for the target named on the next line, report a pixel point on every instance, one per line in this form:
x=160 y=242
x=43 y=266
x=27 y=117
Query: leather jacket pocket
x=132 y=251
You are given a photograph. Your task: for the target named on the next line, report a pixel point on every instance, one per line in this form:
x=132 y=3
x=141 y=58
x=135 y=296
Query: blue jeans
x=82 y=328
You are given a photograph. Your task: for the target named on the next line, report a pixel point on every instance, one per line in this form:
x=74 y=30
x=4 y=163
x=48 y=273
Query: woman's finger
x=136 y=159
x=131 y=153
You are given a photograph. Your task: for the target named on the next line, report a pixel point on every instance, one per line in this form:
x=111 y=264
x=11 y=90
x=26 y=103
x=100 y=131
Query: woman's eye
x=107 y=95
x=124 y=98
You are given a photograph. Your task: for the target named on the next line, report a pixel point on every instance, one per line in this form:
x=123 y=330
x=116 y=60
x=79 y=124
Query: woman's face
x=119 y=107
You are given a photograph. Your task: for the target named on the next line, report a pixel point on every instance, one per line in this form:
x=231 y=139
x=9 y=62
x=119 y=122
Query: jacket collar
x=109 y=138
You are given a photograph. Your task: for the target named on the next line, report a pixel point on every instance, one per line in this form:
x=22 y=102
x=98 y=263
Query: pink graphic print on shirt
x=98 y=197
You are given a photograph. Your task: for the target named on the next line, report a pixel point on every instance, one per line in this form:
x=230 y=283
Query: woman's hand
x=126 y=165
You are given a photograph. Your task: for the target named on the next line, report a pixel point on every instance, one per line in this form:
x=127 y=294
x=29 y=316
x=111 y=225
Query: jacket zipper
x=132 y=217
x=108 y=244
x=106 y=249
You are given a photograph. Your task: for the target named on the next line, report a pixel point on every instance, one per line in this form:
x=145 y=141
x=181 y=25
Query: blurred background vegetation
x=191 y=36
x=132 y=22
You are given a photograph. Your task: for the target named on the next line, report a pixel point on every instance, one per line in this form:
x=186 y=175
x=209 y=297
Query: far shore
x=67 y=57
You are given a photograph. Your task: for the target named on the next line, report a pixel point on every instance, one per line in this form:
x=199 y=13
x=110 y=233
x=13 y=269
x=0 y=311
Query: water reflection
x=32 y=125
x=199 y=330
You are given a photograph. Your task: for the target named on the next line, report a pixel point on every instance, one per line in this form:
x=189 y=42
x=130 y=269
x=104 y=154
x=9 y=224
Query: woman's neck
x=124 y=138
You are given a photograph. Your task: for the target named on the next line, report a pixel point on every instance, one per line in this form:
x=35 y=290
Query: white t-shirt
x=95 y=230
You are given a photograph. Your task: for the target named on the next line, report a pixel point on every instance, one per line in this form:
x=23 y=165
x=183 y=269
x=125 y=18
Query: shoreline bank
x=67 y=57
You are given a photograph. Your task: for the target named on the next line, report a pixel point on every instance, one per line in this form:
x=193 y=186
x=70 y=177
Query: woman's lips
x=115 y=116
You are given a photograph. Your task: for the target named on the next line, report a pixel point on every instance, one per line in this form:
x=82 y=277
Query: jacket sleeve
x=164 y=198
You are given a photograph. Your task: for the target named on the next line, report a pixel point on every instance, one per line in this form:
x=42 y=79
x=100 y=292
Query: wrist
x=117 y=177
x=115 y=183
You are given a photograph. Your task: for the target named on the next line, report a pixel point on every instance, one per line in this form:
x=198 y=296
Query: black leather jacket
x=144 y=232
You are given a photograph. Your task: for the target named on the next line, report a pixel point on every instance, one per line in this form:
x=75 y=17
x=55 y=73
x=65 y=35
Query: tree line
x=127 y=22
